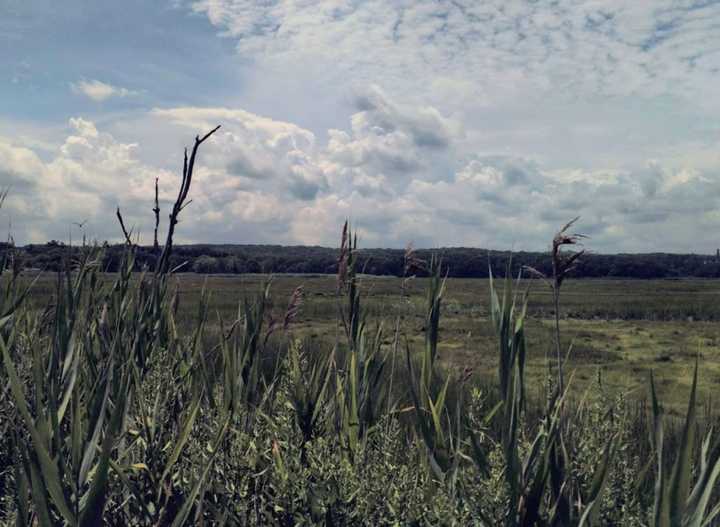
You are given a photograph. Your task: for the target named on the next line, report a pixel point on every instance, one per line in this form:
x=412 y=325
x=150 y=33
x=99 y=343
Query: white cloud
x=396 y=190
x=400 y=173
x=87 y=176
x=571 y=84
x=256 y=152
x=99 y=91
x=504 y=48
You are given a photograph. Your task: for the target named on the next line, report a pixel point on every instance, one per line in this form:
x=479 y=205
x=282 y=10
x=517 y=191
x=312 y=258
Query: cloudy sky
x=442 y=123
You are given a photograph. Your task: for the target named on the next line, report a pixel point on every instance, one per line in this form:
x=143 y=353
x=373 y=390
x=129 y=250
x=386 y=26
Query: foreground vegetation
x=116 y=409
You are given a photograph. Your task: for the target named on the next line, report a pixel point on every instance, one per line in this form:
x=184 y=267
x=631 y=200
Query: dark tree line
x=460 y=261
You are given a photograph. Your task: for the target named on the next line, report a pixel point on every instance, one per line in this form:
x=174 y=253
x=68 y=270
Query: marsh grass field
x=616 y=330
x=619 y=329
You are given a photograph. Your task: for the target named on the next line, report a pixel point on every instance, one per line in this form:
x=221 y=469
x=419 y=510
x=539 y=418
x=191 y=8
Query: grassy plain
x=619 y=329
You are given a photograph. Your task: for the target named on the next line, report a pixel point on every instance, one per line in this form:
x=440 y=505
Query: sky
x=437 y=123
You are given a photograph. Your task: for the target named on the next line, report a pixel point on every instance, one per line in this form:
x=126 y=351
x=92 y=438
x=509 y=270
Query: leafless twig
x=128 y=241
x=180 y=202
x=156 y=210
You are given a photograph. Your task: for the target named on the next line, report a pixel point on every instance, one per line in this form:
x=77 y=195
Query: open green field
x=619 y=329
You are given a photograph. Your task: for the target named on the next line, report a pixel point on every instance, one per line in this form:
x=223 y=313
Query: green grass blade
x=184 y=435
x=679 y=484
x=661 y=510
x=92 y=444
x=599 y=482
x=94 y=499
x=48 y=468
x=706 y=484
x=182 y=516
x=39 y=495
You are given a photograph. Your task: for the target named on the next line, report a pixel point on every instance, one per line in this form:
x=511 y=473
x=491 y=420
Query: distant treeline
x=460 y=261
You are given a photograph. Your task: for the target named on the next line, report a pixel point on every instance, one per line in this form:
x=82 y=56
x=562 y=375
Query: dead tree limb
x=128 y=240
x=180 y=202
x=156 y=210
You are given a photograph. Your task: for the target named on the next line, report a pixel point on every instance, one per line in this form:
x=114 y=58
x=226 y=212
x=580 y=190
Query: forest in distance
x=460 y=262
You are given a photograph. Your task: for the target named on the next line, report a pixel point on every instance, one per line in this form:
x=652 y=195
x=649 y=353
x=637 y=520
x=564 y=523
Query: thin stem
x=556 y=299
x=156 y=211
x=122 y=226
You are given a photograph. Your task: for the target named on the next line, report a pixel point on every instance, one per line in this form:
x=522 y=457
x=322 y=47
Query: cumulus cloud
x=99 y=91
x=257 y=152
x=395 y=190
x=87 y=176
x=401 y=173
x=426 y=126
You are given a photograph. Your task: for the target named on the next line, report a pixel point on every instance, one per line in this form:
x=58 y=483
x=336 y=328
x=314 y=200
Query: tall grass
x=114 y=412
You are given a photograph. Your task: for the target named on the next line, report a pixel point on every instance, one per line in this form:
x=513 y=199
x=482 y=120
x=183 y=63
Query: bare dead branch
x=125 y=232
x=188 y=202
x=200 y=141
x=156 y=211
x=180 y=202
x=343 y=258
